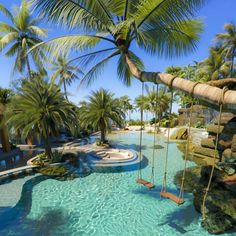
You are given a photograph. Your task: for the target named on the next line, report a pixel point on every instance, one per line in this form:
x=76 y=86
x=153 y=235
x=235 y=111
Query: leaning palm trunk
x=207 y=93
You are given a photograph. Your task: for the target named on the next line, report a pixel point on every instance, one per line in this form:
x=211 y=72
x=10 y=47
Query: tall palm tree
x=228 y=41
x=159 y=27
x=101 y=109
x=66 y=73
x=125 y=103
x=215 y=65
x=21 y=34
x=164 y=27
x=5 y=96
x=41 y=106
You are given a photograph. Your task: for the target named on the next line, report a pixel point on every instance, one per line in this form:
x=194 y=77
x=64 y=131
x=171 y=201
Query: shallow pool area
x=106 y=203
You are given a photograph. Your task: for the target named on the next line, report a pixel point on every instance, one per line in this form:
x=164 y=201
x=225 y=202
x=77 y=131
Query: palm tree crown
x=20 y=35
x=228 y=41
x=159 y=27
x=100 y=110
x=64 y=72
x=41 y=106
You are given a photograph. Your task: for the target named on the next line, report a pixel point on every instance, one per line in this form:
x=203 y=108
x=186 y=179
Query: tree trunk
x=232 y=64
x=103 y=132
x=28 y=66
x=209 y=95
x=6 y=146
x=30 y=138
x=65 y=91
x=47 y=146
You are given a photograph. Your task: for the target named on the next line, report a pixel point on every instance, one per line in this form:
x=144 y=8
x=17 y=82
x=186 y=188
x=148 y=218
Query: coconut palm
x=228 y=41
x=158 y=27
x=158 y=102
x=64 y=72
x=41 y=106
x=161 y=27
x=215 y=65
x=100 y=110
x=21 y=34
x=5 y=96
x=125 y=103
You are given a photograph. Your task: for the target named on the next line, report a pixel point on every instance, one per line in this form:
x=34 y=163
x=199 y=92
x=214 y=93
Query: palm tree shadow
x=181 y=218
x=15 y=218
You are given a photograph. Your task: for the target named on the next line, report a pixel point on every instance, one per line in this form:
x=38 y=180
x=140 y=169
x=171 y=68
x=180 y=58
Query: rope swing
x=164 y=193
x=140 y=180
x=221 y=102
x=152 y=177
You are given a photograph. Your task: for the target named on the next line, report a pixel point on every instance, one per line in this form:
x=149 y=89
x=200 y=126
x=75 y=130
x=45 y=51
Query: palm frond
x=72 y=14
x=123 y=70
x=95 y=71
x=6 y=12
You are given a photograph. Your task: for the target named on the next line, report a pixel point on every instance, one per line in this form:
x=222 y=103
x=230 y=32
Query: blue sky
x=214 y=14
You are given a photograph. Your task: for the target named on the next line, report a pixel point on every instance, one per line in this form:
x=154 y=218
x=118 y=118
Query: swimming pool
x=107 y=202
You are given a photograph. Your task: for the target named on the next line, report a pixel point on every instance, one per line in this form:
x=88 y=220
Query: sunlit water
x=107 y=202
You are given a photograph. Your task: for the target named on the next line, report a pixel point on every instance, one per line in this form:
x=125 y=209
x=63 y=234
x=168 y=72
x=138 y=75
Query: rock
x=208 y=143
x=233 y=146
x=192 y=177
x=181 y=134
x=213 y=129
x=227 y=153
x=206 y=151
x=225 y=118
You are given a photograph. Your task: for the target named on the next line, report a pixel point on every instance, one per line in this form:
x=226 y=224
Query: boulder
x=206 y=151
x=181 y=134
x=213 y=129
x=208 y=143
x=233 y=146
x=225 y=118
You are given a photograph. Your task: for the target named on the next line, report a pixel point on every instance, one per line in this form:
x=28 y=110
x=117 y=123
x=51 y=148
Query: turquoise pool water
x=106 y=203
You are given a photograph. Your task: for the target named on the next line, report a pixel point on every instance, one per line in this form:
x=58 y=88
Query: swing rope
x=141 y=135
x=221 y=102
x=181 y=192
x=154 y=136
x=167 y=144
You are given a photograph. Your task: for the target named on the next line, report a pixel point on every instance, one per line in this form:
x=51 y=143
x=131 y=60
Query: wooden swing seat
x=172 y=197
x=145 y=183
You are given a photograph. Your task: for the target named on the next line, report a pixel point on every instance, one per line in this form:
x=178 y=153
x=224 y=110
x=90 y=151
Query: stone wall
x=227 y=136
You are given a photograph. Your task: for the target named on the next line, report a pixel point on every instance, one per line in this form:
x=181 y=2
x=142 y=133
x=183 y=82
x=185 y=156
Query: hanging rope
x=221 y=102
x=141 y=135
x=181 y=192
x=167 y=144
x=154 y=135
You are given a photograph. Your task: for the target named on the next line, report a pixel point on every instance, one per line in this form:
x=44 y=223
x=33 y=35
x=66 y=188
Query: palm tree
x=42 y=107
x=66 y=73
x=158 y=102
x=142 y=104
x=215 y=65
x=158 y=27
x=21 y=34
x=125 y=103
x=228 y=41
x=100 y=110
x=167 y=28
x=5 y=96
